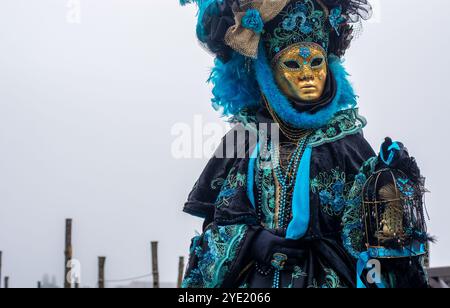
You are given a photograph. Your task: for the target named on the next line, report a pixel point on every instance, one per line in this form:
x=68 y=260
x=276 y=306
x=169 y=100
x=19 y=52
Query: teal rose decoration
x=336 y=18
x=252 y=20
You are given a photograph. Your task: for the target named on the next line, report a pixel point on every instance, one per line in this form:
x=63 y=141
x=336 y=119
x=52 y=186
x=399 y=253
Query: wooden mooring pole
x=68 y=253
x=155 y=270
x=101 y=272
x=180 y=272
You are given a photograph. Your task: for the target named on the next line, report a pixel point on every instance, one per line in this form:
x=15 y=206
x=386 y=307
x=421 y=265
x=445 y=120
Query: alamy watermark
x=201 y=140
x=74 y=275
x=374 y=273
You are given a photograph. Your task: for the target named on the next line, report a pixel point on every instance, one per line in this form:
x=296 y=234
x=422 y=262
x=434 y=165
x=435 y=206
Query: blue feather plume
x=234 y=86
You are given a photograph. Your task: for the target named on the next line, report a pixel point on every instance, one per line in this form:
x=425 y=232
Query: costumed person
x=297 y=206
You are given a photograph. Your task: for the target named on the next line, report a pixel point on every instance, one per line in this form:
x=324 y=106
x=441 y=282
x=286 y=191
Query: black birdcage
x=393 y=212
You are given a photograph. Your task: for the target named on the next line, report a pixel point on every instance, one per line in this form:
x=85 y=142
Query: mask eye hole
x=317 y=62
x=292 y=64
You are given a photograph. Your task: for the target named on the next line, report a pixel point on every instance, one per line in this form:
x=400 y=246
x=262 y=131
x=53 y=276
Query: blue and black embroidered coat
x=239 y=197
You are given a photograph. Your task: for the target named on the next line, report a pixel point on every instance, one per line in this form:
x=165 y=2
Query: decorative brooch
x=279 y=261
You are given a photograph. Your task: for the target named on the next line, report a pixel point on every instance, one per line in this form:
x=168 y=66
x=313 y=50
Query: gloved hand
x=270 y=249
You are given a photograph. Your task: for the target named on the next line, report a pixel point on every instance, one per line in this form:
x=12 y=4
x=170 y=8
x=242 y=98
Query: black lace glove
x=270 y=249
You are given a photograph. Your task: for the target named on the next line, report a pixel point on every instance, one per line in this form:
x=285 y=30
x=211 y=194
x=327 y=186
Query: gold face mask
x=301 y=71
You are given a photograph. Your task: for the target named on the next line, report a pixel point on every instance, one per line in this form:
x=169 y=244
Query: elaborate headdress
x=238 y=31
x=226 y=25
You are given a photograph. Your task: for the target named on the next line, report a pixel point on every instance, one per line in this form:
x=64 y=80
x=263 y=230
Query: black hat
x=300 y=21
x=329 y=23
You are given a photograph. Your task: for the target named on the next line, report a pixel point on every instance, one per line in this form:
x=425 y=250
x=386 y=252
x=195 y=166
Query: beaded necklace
x=292 y=134
x=286 y=179
x=263 y=160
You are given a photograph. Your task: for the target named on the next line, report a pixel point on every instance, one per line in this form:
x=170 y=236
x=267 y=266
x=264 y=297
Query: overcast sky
x=86 y=111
